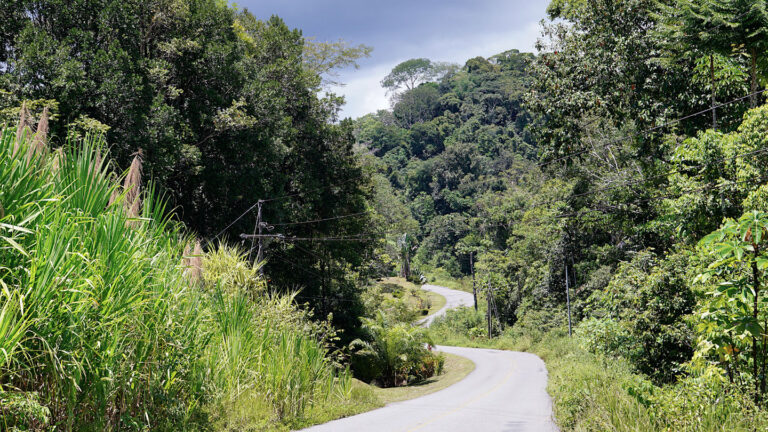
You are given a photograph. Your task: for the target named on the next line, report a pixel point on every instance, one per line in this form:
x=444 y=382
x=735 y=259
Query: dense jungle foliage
x=615 y=180
x=599 y=166
x=226 y=110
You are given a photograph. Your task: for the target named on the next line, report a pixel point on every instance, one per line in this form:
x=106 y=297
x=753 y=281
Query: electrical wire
x=652 y=129
x=232 y=223
x=320 y=220
x=658 y=176
x=310 y=190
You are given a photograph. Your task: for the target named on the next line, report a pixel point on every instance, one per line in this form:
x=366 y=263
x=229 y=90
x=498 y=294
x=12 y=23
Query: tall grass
x=105 y=324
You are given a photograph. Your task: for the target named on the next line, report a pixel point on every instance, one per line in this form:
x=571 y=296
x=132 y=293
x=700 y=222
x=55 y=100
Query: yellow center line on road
x=445 y=414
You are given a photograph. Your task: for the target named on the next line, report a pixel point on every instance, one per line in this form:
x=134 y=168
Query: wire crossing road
x=505 y=393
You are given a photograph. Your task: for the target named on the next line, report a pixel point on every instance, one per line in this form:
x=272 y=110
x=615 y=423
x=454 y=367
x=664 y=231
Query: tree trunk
x=765 y=355
x=755 y=348
x=405 y=271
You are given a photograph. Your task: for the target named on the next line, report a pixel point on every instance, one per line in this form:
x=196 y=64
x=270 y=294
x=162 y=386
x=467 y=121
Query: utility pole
x=488 y=309
x=568 y=296
x=472 y=269
x=259 y=254
x=712 y=77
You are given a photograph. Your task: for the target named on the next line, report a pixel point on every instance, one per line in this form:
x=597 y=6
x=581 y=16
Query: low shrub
x=393 y=353
x=601 y=390
x=460 y=322
x=608 y=337
x=399 y=303
x=22 y=411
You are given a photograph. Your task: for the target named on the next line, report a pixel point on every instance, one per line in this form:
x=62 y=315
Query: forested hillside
x=448 y=150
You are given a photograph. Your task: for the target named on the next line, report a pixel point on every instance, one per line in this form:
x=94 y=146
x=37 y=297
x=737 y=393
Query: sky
x=441 y=30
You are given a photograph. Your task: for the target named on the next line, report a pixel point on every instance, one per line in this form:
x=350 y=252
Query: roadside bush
x=228 y=268
x=608 y=337
x=393 y=354
x=462 y=319
x=593 y=392
x=647 y=303
x=402 y=304
x=706 y=404
x=459 y=323
x=22 y=411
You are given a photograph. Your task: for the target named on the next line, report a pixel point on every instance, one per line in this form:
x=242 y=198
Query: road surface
x=453 y=299
x=505 y=393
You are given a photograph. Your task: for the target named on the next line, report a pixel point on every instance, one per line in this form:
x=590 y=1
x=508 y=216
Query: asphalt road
x=453 y=299
x=505 y=393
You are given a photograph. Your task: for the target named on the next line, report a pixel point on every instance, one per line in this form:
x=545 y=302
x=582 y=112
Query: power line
x=658 y=176
x=276 y=199
x=340 y=299
x=299 y=247
x=711 y=185
x=310 y=190
x=653 y=129
x=295 y=265
x=320 y=220
x=635 y=182
x=713 y=107
x=233 y=222
x=283 y=237
x=311 y=239
x=585 y=211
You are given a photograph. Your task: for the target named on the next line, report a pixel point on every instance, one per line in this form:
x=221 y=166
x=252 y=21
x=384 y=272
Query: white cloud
x=364 y=94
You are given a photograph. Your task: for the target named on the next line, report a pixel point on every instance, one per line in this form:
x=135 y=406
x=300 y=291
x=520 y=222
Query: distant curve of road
x=505 y=393
x=453 y=299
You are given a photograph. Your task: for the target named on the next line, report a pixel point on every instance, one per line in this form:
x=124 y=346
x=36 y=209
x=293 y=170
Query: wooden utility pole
x=259 y=252
x=568 y=296
x=472 y=269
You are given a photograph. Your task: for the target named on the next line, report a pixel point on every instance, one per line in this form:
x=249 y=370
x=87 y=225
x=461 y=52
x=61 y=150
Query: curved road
x=505 y=393
x=453 y=299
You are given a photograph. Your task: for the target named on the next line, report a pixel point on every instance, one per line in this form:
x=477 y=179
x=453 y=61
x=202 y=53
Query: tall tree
x=413 y=72
x=325 y=58
x=727 y=27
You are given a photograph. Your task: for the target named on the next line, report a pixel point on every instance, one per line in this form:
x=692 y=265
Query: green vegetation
x=455 y=369
x=616 y=181
x=435 y=302
x=109 y=307
x=394 y=353
x=598 y=392
x=225 y=108
x=401 y=300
